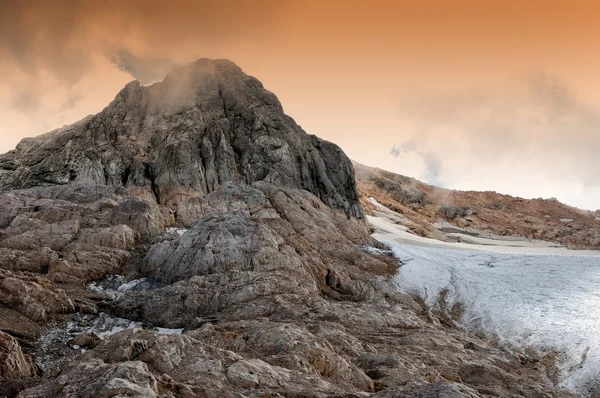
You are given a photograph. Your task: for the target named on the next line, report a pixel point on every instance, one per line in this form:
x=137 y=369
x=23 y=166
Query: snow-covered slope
x=543 y=297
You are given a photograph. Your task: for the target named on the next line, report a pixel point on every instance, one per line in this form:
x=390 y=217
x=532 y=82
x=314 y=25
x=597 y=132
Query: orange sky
x=484 y=94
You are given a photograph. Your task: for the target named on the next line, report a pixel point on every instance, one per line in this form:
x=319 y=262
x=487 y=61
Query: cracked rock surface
x=226 y=254
x=206 y=123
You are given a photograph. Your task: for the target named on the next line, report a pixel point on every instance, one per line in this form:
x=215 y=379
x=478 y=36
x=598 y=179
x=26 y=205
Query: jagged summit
x=206 y=123
x=251 y=287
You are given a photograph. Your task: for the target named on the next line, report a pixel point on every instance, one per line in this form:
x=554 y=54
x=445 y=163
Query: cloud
x=59 y=41
x=43 y=36
x=72 y=99
x=431 y=160
x=145 y=69
x=535 y=129
x=25 y=100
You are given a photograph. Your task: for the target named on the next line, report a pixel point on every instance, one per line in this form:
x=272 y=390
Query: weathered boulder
x=13 y=363
x=87 y=263
x=441 y=389
x=217 y=245
x=147 y=219
x=88 y=340
x=55 y=236
x=186 y=365
x=97 y=379
x=117 y=237
x=30 y=260
x=289 y=346
x=230 y=197
x=32 y=296
x=235 y=260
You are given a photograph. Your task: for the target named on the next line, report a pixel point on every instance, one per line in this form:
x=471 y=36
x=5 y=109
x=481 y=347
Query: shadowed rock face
x=206 y=123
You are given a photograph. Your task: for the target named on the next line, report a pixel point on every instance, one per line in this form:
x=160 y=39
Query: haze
x=494 y=95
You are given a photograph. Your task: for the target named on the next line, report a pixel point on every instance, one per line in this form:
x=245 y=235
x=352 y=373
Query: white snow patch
x=178 y=231
x=375 y=250
x=553 y=294
x=388 y=230
x=391 y=215
x=168 y=331
x=107 y=286
x=106 y=325
x=114 y=286
x=566 y=220
x=597 y=218
x=125 y=287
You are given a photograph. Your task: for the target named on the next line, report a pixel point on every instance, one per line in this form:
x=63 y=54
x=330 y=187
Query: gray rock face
x=218 y=244
x=12 y=360
x=270 y=289
x=275 y=290
x=98 y=379
x=237 y=259
x=207 y=123
x=442 y=389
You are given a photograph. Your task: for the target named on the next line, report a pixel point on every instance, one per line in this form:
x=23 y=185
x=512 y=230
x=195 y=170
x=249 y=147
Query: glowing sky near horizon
x=494 y=95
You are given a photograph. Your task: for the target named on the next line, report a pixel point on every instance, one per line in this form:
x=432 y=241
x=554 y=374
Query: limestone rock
x=207 y=123
x=118 y=237
x=147 y=219
x=84 y=264
x=30 y=260
x=442 y=389
x=433 y=211
x=218 y=244
x=230 y=260
x=290 y=346
x=88 y=340
x=229 y=197
x=13 y=363
x=33 y=297
x=55 y=236
x=275 y=289
x=97 y=379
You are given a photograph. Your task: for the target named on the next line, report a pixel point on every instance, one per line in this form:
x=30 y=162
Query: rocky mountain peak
x=264 y=281
x=206 y=123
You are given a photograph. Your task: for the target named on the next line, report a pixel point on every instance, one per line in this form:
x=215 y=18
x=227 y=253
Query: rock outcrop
x=192 y=241
x=98 y=379
x=238 y=263
x=205 y=124
x=12 y=360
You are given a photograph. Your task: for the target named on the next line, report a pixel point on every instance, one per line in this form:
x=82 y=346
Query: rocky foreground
x=256 y=258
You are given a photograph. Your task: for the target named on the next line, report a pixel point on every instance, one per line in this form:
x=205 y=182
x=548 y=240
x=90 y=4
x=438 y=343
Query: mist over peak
x=66 y=60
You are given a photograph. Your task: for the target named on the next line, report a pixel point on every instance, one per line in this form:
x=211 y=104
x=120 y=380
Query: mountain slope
x=434 y=212
x=191 y=241
x=206 y=123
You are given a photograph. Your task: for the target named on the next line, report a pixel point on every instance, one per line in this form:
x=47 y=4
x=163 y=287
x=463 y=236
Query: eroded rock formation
x=206 y=123
x=255 y=254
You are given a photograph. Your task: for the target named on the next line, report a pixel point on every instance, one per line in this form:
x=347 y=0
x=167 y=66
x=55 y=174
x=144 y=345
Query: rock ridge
x=206 y=123
x=192 y=241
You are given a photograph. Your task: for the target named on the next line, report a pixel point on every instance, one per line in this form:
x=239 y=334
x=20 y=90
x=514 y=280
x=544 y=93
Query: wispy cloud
x=537 y=126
